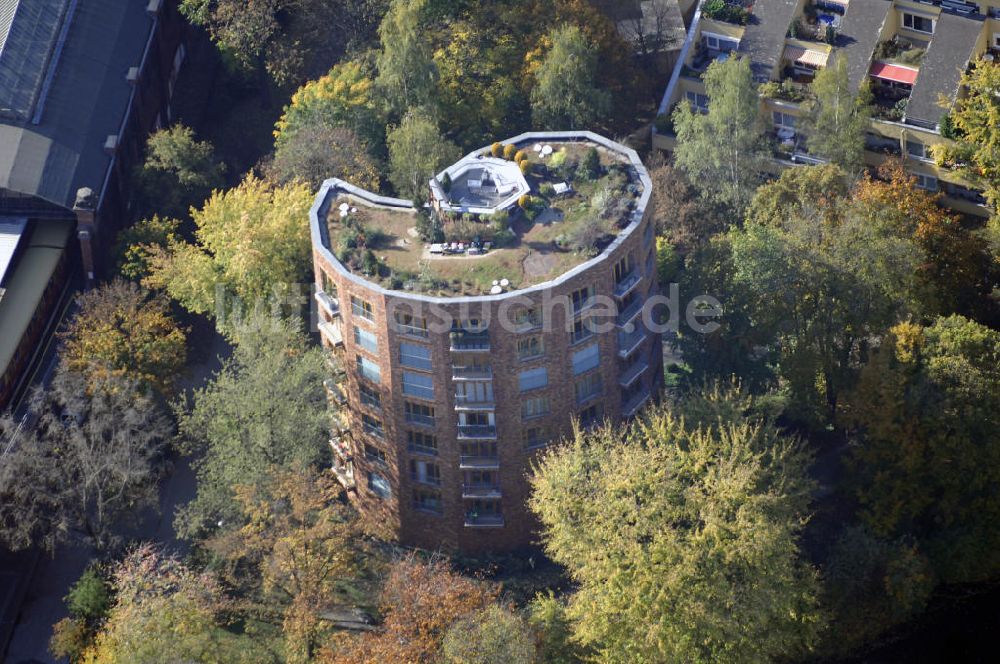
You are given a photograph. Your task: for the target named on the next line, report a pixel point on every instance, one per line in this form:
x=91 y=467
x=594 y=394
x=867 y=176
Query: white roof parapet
x=329 y=188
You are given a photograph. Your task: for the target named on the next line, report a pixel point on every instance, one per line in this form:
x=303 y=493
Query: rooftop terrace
x=495 y=223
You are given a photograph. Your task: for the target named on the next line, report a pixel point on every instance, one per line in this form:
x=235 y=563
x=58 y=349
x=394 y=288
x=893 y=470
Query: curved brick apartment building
x=449 y=383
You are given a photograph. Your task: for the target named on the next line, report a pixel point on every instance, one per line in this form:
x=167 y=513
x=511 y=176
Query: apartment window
x=479 y=508
x=582 y=299
x=425 y=472
x=783 y=120
x=415 y=356
x=527 y=319
x=379 y=485
x=480 y=392
x=586 y=359
x=534 y=407
x=530 y=347
x=532 y=379
x=587 y=387
x=368 y=369
x=590 y=415
x=535 y=437
x=918 y=23
x=369 y=396
x=698 y=101
x=407 y=324
x=427 y=500
x=327 y=284
x=418 y=413
x=917 y=150
x=582 y=329
x=476 y=419
x=481 y=478
x=622 y=269
x=470 y=325
x=362 y=309
x=418 y=385
x=928 y=182
x=374 y=454
x=366 y=339
x=719 y=42
x=479 y=450
x=421 y=442
x=372 y=425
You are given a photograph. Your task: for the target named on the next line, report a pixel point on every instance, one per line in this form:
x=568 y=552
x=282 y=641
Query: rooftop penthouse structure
x=913 y=53
x=470 y=329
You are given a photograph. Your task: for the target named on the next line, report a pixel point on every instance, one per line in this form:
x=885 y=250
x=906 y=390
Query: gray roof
x=58 y=146
x=950 y=50
x=859 y=33
x=29 y=32
x=764 y=37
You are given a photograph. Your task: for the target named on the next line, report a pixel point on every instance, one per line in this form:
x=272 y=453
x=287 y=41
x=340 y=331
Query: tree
x=344 y=97
x=554 y=632
x=294 y=552
x=926 y=460
x=417 y=151
x=178 y=172
x=318 y=151
x=164 y=611
x=90 y=461
x=124 y=331
x=88 y=602
x=683 y=218
x=407 y=76
x=701 y=498
x=566 y=94
x=420 y=601
x=724 y=151
x=818 y=193
x=138 y=242
x=494 y=635
x=838 y=117
x=265 y=408
x=250 y=242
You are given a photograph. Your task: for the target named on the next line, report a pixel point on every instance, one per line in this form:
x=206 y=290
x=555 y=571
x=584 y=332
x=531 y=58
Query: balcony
x=629 y=343
x=417 y=418
x=632 y=372
x=331 y=333
x=471 y=373
x=475 y=342
x=344 y=475
x=629 y=313
x=631 y=406
x=478 y=462
x=412 y=330
x=480 y=491
x=473 y=520
x=627 y=284
x=477 y=432
x=467 y=402
x=329 y=304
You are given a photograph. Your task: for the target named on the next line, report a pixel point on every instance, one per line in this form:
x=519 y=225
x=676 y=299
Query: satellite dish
x=496 y=290
x=505 y=282
x=546 y=150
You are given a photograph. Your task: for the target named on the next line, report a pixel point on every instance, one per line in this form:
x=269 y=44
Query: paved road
x=44 y=604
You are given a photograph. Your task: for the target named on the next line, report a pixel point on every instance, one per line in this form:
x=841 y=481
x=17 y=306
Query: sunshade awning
x=895 y=73
x=804 y=56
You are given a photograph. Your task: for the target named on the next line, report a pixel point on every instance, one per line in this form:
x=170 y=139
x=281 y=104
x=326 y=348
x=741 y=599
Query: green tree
x=136 y=243
x=250 y=242
x=724 y=151
x=88 y=602
x=817 y=192
x=838 y=117
x=90 y=462
x=494 y=635
x=417 y=151
x=407 y=76
x=553 y=631
x=319 y=151
x=661 y=523
x=124 y=331
x=566 y=94
x=265 y=408
x=178 y=172
x=926 y=422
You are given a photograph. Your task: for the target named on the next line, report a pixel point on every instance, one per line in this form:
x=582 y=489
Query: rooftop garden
x=580 y=198
x=899 y=51
x=729 y=11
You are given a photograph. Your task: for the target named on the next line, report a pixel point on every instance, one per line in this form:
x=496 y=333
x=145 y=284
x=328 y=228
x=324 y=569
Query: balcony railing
x=471 y=373
x=473 y=520
x=344 y=475
x=417 y=418
x=412 y=330
x=478 y=462
x=632 y=372
x=628 y=343
x=627 y=283
x=426 y=479
x=422 y=449
x=480 y=491
x=370 y=401
x=330 y=304
x=470 y=341
x=628 y=314
x=477 y=432
x=634 y=403
x=474 y=402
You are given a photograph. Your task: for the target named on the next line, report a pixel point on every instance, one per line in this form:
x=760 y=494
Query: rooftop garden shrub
x=586 y=236
x=558 y=158
x=509 y=150
x=720 y=10
x=524 y=201
x=546 y=189
x=525 y=167
x=497 y=149
x=591 y=164
x=520 y=156
x=446 y=182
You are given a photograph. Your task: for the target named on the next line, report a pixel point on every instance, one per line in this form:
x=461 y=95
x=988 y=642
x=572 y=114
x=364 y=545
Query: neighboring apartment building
x=912 y=52
x=464 y=358
x=81 y=85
